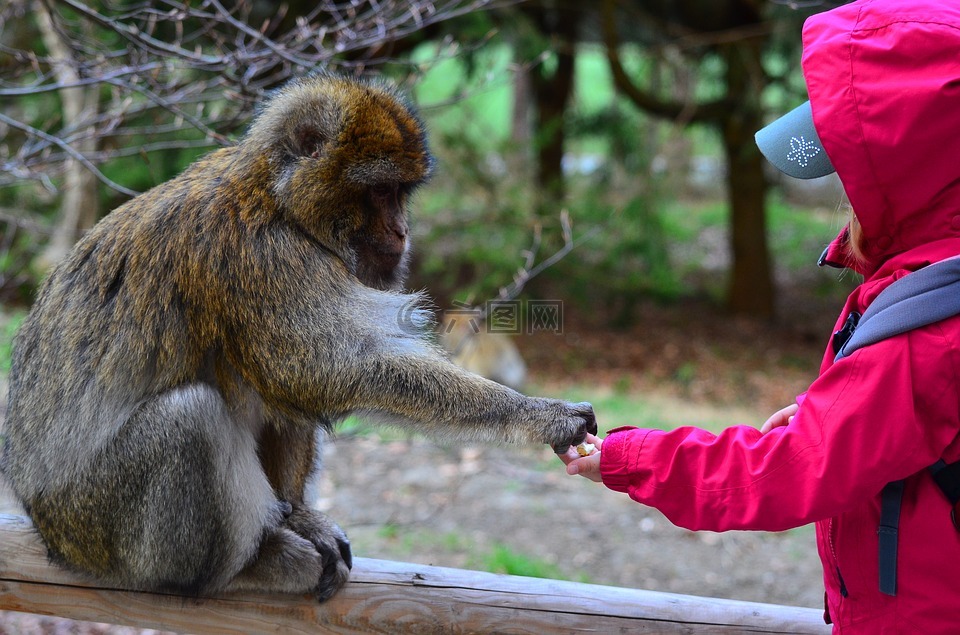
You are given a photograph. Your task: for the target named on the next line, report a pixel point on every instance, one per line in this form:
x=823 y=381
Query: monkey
x=169 y=383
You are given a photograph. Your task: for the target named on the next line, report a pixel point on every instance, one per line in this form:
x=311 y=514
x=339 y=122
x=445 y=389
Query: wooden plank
x=385 y=597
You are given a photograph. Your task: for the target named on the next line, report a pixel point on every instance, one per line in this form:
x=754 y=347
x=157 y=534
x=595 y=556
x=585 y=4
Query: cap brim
x=792 y=145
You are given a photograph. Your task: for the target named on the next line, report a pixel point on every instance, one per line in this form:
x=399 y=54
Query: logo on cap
x=802 y=151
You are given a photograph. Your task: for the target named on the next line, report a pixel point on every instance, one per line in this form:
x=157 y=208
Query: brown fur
x=168 y=385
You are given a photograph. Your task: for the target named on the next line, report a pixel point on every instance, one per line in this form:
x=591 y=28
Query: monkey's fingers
x=590 y=416
x=583 y=417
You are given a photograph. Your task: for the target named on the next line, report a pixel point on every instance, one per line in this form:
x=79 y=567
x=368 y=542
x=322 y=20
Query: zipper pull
x=843 y=586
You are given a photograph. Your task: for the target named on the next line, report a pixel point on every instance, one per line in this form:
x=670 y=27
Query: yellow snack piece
x=586 y=449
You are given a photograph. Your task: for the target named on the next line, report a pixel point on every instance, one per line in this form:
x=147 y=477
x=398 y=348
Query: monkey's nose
x=400 y=228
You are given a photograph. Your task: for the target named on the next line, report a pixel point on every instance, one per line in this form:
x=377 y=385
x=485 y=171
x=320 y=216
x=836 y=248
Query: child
x=883 y=79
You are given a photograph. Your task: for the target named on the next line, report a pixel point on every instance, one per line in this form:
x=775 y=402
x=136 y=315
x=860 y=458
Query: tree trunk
x=521 y=126
x=751 y=289
x=78 y=207
x=521 y=157
x=551 y=94
x=737 y=115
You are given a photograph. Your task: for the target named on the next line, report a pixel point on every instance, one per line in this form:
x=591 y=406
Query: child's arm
x=589 y=466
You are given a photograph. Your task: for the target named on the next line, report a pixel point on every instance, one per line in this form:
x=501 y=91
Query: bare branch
x=39 y=87
x=13 y=123
x=15 y=218
x=529 y=271
x=685 y=112
x=140 y=39
x=173 y=65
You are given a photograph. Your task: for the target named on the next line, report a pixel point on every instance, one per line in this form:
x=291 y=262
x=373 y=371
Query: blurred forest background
x=634 y=119
x=606 y=147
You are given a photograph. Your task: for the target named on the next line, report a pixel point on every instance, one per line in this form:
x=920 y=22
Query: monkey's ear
x=309 y=141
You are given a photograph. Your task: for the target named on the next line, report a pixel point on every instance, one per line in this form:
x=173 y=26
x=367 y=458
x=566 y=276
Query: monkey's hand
x=575 y=422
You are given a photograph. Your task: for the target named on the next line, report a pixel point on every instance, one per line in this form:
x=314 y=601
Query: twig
x=12 y=218
x=13 y=123
x=527 y=272
x=36 y=89
x=211 y=56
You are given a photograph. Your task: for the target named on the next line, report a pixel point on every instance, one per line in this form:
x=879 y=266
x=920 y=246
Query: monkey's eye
x=383 y=192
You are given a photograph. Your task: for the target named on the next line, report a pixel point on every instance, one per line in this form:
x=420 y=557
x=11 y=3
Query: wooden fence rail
x=385 y=597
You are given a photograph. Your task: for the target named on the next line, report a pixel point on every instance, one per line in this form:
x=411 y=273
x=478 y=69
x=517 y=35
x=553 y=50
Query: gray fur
x=169 y=382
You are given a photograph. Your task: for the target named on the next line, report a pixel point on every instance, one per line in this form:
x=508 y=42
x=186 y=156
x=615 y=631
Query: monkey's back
x=114 y=323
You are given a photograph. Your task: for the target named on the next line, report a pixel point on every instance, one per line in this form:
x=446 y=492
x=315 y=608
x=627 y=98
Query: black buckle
x=845 y=332
x=947 y=477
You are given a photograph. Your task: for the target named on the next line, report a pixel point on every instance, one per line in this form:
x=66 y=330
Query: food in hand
x=586 y=449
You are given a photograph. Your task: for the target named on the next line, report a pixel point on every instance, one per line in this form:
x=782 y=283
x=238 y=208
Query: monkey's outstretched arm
x=410 y=384
x=322 y=345
x=416 y=386
x=437 y=395
x=430 y=393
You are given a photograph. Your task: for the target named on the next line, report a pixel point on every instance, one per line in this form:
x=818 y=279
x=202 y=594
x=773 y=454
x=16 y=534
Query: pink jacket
x=891 y=409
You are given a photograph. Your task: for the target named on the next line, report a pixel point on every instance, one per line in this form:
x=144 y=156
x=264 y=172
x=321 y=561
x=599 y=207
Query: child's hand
x=780 y=418
x=586 y=466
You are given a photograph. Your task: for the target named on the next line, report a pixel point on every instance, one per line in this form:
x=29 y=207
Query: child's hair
x=855 y=239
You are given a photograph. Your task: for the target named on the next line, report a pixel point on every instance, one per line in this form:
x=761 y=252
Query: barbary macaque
x=169 y=382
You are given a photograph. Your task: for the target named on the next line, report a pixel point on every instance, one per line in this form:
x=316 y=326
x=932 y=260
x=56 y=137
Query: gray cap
x=792 y=145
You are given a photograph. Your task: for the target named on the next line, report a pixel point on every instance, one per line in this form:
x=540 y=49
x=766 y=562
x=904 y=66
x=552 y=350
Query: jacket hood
x=883 y=78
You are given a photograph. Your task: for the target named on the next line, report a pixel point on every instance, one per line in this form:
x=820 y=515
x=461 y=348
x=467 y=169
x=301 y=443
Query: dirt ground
x=514 y=509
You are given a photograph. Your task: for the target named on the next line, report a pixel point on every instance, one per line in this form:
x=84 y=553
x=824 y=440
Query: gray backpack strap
x=923 y=297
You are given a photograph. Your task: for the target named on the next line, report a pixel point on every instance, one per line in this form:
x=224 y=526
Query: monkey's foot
x=330 y=542
x=285 y=563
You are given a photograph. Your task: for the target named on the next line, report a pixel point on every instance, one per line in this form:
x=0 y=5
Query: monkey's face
x=381 y=244
x=355 y=153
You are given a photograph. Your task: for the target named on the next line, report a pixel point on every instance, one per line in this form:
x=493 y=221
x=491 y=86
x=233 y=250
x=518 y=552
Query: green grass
x=497 y=558
x=8 y=329
x=503 y=559
x=406 y=542
x=619 y=409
